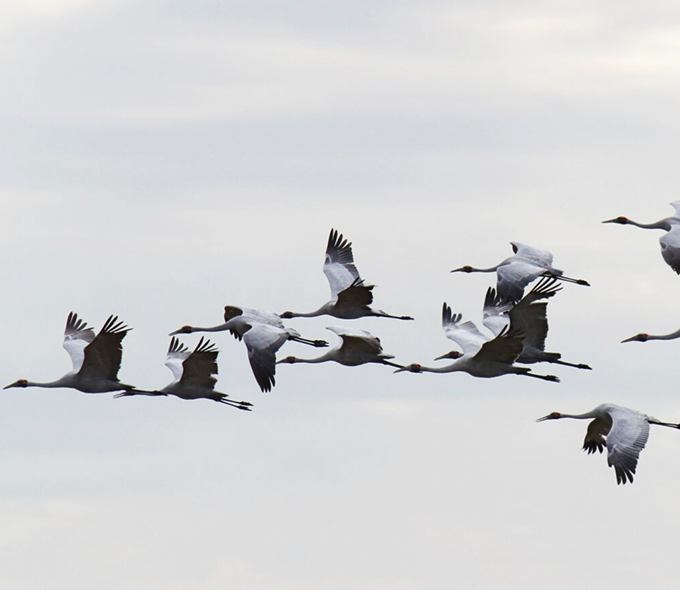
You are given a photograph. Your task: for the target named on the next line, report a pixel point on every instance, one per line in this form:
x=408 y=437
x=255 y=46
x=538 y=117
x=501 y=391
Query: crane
x=357 y=347
x=480 y=357
x=623 y=431
x=670 y=241
x=263 y=333
x=529 y=317
x=194 y=375
x=96 y=359
x=350 y=296
x=517 y=271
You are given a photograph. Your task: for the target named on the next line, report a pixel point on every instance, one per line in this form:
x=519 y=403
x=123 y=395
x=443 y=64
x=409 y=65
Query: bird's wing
x=595 y=436
x=495 y=318
x=511 y=278
x=670 y=247
x=627 y=437
x=262 y=342
x=77 y=336
x=358 y=340
x=465 y=334
x=676 y=206
x=356 y=295
x=263 y=316
x=530 y=317
x=339 y=265
x=200 y=366
x=531 y=321
x=504 y=348
x=177 y=353
x=104 y=353
x=543 y=257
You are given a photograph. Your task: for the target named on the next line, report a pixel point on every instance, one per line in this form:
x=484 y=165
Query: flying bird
x=528 y=317
x=194 y=375
x=623 y=431
x=263 y=333
x=96 y=359
x=357 y=347
x=514 y=273
x=350 y=296
x=480 y=357
x=670 y=242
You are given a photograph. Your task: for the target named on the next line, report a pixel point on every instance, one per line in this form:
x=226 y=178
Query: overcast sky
x=159 y=160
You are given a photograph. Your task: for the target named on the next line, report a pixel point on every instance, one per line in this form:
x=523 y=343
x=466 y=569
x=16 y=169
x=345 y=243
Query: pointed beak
x=444 y=356
x=610 y=220
x=544 y=418
x=631 y=339
x=15 y=384
x=175 y=333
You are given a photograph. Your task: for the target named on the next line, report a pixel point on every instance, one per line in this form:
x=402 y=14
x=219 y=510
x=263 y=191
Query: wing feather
x=339 y=264
x=77 y=336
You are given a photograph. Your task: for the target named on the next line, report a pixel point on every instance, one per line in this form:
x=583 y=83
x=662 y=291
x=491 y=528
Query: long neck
x=63 y=382
x=220 y=328
x=671 y=336
x=586 y=416
x=319 y=359
x=311 y=314
x=661 y=224
x=491 y=269
x=452 y=368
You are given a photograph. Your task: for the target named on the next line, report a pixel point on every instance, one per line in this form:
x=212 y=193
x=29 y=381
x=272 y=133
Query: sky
x=160 y=160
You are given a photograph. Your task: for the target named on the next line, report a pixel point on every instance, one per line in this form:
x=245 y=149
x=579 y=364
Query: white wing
x=670 y=247
x=542 y=257
x=465 y=334
x=339 y=265
x=358 y=339
x=676 y=206
x=495 y=318
x=77 y=336
x=511 y=278
x=627 y=437
x=261 y=315
x=262 y=342
x=177 y=354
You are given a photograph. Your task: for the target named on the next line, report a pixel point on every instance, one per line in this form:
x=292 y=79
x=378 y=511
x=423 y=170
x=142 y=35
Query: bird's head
x=552 y=416
x=622 y=220
x=642 y=337
x=231 y=311
x=289 y=359
x=412 y=368
x=466 y=268
x=182 y=330
x=454 y=354
x=20 y=383
x=286 y=315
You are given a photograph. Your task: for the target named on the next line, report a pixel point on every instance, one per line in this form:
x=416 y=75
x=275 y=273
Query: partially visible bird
x=670 y=242
x=263 y=334
x=644 y=337
x=529 y=317
x=358 y=347
x=480 y=357
x=96 y=359
x=194 y=375
x=623 y=431
x=350 y=296
x=514 y=273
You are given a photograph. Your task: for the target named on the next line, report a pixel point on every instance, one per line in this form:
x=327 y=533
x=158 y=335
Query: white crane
x=263 y=334
x=517 y=271
x=670 y=242
x=350 y=296
x=481 y=357
x=358 y=347
x=96 y=359
x=194 y=375
x=623 y=431
x=644 y=337
x=528 y=317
